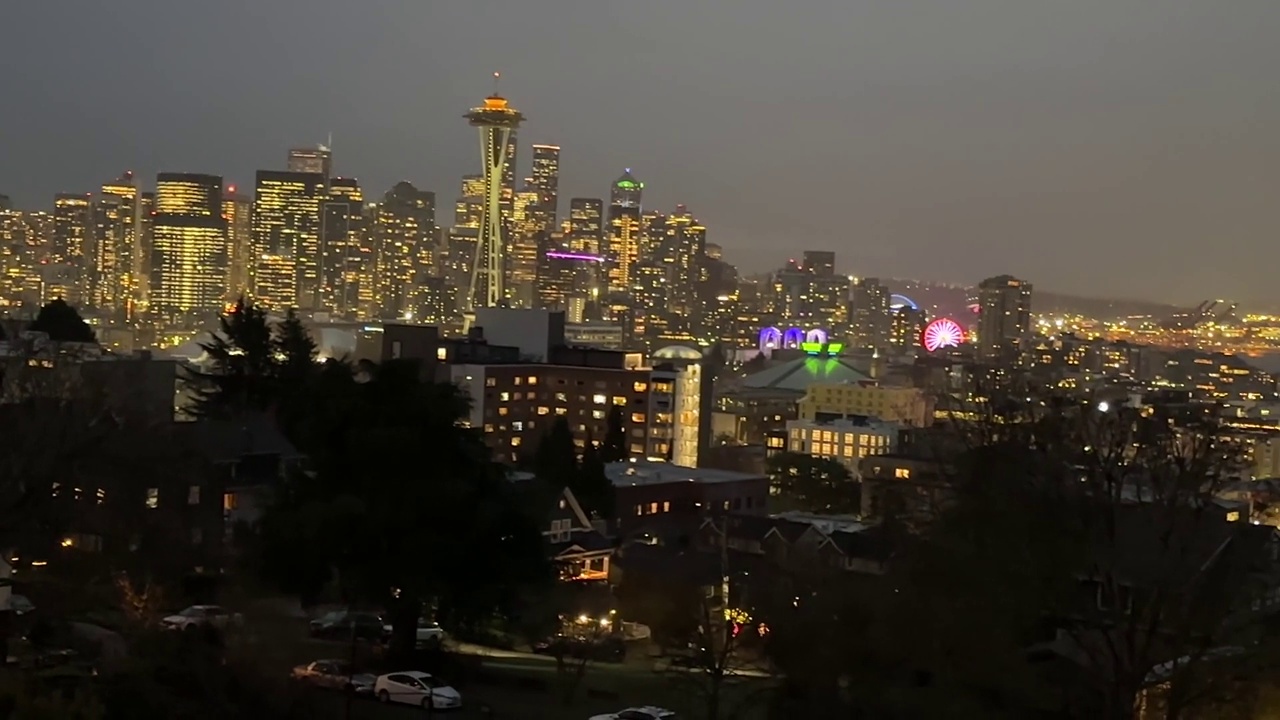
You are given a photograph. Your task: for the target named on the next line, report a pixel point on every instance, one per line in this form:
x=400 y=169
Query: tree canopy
x=62 y=323
x=813 y=484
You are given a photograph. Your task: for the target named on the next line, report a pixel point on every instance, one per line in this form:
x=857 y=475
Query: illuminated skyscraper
x=72 y=235
x=528 y=227
x=342 y=245
x=586 y=225
x=318 y=159
x=1004 y=319
x=622 y=247
x=286 y=239
x=237 y=211
x=497 y=121
x=117 y=258
x=870 y=317
x=189 y=248
x=681 y=253
x=406 y=229
x=544 y=178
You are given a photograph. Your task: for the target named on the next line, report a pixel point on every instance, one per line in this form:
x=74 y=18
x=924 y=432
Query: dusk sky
x=1102 y=147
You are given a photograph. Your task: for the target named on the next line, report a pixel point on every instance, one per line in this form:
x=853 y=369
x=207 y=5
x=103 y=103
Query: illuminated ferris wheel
x=941 y=333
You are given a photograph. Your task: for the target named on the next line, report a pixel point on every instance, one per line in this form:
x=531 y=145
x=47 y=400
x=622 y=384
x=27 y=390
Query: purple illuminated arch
x=793 y=337
x=770 y=338
x=816 y=335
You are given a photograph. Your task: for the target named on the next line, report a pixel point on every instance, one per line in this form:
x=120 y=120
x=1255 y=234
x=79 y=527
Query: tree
x=400 y=487
x=62 y=323
x=556 y=464
x=591 y=484
x=813 y=484
x=614 y=447
x=243 y=365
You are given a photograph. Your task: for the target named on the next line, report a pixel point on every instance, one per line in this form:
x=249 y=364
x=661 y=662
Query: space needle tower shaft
x=496 y=120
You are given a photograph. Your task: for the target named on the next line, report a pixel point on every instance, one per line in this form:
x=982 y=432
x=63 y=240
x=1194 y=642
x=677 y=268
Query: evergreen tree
x=614 y=448
x=556 y=460
x=62 y=323
x=592 y=486
x=294 y=353
x=243 y=366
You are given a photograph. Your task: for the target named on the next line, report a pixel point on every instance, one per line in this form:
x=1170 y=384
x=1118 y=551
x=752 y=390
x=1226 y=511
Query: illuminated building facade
x=846 y=441
x=1004 y=319
x=237 y=211
x=870 y=321
x=906 y=405
x=682 y=249
x=72 y=228
x=497 y=122
x=544 y=178
x=146 y=241
x=406 y=245
x=622 y=245
x=189 y=248
x=564 y=275
x=343 y=247
x=116 y=261
x=318 y=160
x=286 y=239
x=586 y=225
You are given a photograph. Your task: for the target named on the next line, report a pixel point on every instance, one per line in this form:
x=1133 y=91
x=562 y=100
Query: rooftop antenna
x=329 y=143
x=496 y=77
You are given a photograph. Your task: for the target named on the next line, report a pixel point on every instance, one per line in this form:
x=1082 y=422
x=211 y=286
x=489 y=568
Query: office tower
x=622 y=245
x=116 y=261
x=189 y=248
x=681 y=253
x=496 y=121
x=406 y=224
x=318 y=159
x=468 y=210
x=342 y=247
x=870 y=321
x=544 y=177
x=72 y=243
x=586 y=225
x=564 y=275
x=1004 y=319
x=146 y=240
x=237 y=211
x=821 y=263
x=24 y=238
x=653 y=236
x=528 y=226
x=509 y=173
x=286 y=239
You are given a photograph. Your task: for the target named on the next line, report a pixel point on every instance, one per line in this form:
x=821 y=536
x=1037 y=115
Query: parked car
x=413 y=687
x=334 y=675
x=198 y=616
x=647 y=712
x=342 y=624
x=427 y=634
x=607 y=649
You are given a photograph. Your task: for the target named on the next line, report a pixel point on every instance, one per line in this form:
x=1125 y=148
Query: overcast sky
x=1103 y=147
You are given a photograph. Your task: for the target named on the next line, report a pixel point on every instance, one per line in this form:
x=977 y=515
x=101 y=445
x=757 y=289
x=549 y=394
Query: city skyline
x=1061 y=163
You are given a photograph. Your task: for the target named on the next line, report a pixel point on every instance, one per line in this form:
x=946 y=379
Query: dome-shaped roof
x=678 y=352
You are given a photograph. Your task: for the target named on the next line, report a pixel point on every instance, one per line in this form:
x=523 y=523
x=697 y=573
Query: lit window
x=515 y=442
x=502 y=411
x=153 y=498
x=488 y=427
x=504 y=396
x=543 y=410
x=193 y=495
x=229 y=501
x=562 y=411
x=561 y=397
x=518 y=425
x=490 y=382
x=653 y=508
x=619 y=400
x=519 y=380
x=641 y=387
x=442 y=353
x=1233 y=516
x=533 y=380
x=666 y=506
x=563 y=503
x=637 y=417
x=599 y=399
x=902 y=472
x=597 y=414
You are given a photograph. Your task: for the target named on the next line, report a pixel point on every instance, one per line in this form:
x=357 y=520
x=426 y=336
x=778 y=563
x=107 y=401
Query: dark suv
x=344 y=624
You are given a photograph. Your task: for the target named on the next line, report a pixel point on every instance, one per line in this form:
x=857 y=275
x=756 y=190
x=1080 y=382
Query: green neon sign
x=821 y=349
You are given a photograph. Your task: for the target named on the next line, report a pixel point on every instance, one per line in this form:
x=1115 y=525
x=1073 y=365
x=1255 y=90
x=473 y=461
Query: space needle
x=495 y=119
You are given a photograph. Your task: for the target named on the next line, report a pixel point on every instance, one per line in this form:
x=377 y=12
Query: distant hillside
x=953 y=299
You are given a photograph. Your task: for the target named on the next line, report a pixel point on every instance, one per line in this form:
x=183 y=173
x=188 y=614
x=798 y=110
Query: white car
x=413 y=687
x=648 y=712
x=200 y=616
x=427 y=634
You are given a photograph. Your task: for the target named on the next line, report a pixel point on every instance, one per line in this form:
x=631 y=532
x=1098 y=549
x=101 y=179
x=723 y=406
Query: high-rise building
x=237 y=211
x=117 y=261
x=146 y=241
x=342 y=247
x=497 y=122
x=586 y=225
x=406 y=234
x=318 y=159
x=622 y=246
x=681 y=253
x=286 y=239
x=72 y=235
x=821 y=263
x=189 y=248
x=544 y=178
x=870 y=322
x=529 y=225
x=1004 y=319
